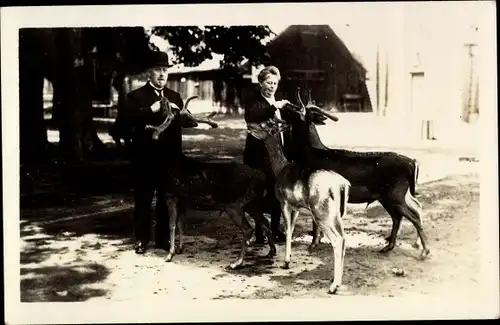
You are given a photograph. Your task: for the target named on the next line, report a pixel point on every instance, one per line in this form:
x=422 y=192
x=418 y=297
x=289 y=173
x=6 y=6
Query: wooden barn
x=217 y=88
x=313 y=56
x=308 y=56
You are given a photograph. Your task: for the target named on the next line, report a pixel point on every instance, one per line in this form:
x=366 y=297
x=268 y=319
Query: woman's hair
x=270 y=70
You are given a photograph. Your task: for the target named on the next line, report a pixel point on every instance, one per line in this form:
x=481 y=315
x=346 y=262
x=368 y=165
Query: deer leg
x=290 y=216
x=413 y=212
x=316 y=236
x=259 y=218
x=259 y=237
x=414 y=218
x=389 y=238
x=396 y=223
x=295 y=215
x=333 y=229
x=172 y=206
x=180 y=226
x=339 y=227
x=415 y=205
x=238 y=217
x=270 y=238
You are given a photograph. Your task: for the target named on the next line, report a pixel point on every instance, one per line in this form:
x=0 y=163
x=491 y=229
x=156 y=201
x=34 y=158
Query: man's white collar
x=154 y=87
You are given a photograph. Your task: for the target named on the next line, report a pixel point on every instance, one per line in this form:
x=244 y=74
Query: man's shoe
x=140 y=247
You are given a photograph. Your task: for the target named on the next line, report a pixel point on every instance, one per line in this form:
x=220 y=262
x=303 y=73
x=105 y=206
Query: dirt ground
x=89 y=258
x=73 y=251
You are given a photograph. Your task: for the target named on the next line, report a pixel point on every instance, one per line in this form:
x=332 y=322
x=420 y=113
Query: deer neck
x=276 y=156
x=300 y=144
x=314 y=139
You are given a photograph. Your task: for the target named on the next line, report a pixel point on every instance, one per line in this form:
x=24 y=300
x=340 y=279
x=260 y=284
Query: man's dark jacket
x=136 y=114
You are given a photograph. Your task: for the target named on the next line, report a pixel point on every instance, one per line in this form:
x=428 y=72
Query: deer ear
x=317 y=119
x=257 y=130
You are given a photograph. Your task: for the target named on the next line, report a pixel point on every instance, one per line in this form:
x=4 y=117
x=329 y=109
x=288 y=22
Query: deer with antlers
x=232 y=187
x=387 y=177
x=323 y=193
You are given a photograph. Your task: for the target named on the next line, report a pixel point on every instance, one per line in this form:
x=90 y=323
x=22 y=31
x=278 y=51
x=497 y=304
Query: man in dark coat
x=151 y=158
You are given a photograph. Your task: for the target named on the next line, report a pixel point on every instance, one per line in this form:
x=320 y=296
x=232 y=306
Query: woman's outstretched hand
x=281 y=103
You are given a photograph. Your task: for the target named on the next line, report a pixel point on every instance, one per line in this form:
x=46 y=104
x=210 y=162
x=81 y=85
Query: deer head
x=188 y=119
x=315 y=114
x=268 y=128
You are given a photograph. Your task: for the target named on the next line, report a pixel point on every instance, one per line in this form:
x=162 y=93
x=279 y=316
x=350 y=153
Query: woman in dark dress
x=261 y=107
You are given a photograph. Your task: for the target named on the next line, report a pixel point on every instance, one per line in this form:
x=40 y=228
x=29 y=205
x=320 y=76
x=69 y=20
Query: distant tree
x=192 y=45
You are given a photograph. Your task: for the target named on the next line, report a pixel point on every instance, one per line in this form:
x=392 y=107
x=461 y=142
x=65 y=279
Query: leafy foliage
x=124 y=47
x=192 y=45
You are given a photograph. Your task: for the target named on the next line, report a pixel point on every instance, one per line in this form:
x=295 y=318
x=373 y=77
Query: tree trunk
x=33 y=132
x=77 y=135
x=56 y=104
x=52 y=53
x=120 y=83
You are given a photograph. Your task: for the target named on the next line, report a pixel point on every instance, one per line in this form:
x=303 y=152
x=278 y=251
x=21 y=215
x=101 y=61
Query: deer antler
x=323 y=112
x=207 y=120
x=309 y=99
x=157 y=130
x=300 y=99
x=187 y=103
x=311 y=107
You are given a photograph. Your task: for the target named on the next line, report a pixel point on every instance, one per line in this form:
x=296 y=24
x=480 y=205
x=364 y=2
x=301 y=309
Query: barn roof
x=333 y=39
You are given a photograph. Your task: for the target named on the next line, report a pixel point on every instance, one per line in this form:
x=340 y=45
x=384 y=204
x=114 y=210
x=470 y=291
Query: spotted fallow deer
x=323 y=193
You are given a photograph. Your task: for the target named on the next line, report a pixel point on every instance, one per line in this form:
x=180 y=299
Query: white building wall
x=438 y=32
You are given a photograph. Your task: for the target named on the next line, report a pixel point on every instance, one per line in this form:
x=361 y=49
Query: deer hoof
x=179 y=250
x=424 y=254
x=286 y=266
x=387 y=249
x=312 y=247
x=271 y=254
x=169 y=257
x=234 y=266
x=334 y=289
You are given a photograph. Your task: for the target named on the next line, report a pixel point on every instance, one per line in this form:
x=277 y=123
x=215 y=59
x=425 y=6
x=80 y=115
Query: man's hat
x=158 y=59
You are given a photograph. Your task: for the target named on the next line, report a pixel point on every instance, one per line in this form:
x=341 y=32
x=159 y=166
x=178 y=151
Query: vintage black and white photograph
x=243 y=158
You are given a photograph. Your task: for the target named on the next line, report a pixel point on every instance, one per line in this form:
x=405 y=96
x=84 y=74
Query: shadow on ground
x=74 y=252
x=62 y=283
